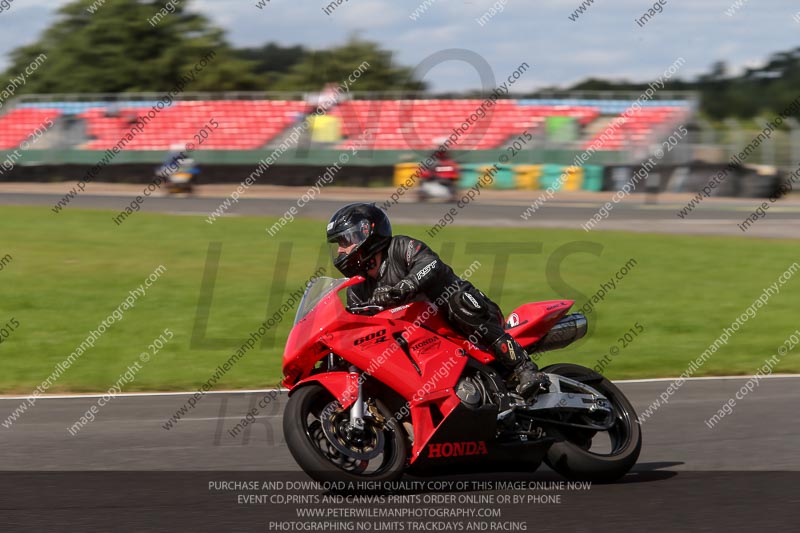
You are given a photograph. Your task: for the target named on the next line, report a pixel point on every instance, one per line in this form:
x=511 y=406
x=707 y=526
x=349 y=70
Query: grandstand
x=418 y=124
x=404 y=128
x=243 y=124
x=400 y=124
x=17 y=125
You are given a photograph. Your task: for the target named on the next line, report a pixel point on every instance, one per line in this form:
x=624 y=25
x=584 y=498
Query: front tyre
x=317 y=432
x=575 y=457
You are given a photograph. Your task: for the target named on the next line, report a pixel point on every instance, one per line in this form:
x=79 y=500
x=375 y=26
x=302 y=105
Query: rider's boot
x=525 y=372
x=531 y=380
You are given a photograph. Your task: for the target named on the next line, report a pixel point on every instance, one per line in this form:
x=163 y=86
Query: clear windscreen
x=316 y=291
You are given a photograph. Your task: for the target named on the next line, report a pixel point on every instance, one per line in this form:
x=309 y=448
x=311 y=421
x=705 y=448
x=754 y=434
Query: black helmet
x=364 y=225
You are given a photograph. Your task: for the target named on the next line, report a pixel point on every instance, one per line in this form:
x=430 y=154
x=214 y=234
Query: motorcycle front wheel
x=595 y=456
x=319 y=436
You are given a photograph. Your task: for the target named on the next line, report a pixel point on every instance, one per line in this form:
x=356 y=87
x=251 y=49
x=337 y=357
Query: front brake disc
x=363 y=444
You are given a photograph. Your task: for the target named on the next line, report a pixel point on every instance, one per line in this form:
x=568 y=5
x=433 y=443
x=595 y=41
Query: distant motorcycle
x=179 y=173
x=180 y=183
x=439 y=182
x=375 y=393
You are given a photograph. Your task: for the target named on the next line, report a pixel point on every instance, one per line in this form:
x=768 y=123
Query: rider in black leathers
x=399 y=269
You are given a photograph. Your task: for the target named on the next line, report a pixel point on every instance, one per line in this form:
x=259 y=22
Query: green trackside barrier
x=504 y=178
x=592 y=178
x=550 y=177
x=469 y=175
x=552 y=169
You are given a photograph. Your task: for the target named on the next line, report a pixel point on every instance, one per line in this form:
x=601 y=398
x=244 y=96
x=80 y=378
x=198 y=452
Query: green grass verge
x=70 y=271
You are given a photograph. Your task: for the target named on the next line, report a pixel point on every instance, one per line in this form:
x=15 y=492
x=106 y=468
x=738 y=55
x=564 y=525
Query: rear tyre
x=312 y=415
x=573 y=457
x=453 y=193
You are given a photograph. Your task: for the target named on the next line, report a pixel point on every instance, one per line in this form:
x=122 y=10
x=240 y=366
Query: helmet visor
x=349 y=236
x=345 y=242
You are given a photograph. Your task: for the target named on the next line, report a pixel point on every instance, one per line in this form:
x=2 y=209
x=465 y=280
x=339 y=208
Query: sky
x=604 y=41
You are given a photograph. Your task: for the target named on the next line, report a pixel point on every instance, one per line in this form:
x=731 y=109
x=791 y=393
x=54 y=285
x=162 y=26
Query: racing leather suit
x=470 y=311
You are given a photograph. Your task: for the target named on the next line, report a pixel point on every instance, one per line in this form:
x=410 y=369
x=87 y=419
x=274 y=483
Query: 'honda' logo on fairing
x=456 y=449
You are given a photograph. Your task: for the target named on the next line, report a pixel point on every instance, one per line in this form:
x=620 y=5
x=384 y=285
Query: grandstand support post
x=707 y=134
x=735 y=137
x=794 y=142
x=767 y=148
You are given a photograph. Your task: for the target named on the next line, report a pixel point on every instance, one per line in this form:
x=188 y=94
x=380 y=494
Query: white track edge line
x=250 y=391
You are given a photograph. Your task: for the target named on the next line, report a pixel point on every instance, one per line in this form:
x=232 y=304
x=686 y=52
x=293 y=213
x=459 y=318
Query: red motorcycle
x=375 y=393
x=439 y=181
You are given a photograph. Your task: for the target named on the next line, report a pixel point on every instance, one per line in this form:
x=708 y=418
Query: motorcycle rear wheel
x=573 y=458
x=321 y=459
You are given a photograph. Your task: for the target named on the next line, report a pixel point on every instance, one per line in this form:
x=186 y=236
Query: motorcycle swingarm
x=580 y=397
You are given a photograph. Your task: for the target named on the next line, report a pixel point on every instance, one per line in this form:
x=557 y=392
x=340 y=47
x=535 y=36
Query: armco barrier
x=294 y=175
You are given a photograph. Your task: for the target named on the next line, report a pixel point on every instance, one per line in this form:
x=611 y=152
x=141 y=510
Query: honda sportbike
x=375 y=393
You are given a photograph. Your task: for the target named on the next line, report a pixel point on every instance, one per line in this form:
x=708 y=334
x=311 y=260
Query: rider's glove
x=382 y=296
x=389 y=296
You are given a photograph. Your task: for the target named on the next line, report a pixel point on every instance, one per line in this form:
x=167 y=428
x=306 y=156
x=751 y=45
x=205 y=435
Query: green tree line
x=756 y=91
x=125 y=46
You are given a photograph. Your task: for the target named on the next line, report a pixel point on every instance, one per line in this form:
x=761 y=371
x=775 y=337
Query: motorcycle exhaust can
x=566 y=331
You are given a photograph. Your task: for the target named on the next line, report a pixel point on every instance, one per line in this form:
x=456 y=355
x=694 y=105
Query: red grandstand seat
x=241 y=124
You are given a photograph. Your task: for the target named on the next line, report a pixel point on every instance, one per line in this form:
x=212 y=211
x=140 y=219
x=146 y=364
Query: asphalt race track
x=688 y=475
x=128 y=433
x=126 y=472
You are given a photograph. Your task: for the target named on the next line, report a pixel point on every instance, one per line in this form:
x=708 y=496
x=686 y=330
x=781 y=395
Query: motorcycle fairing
x=406 y=348
x=408 y=355
x=530 y=322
